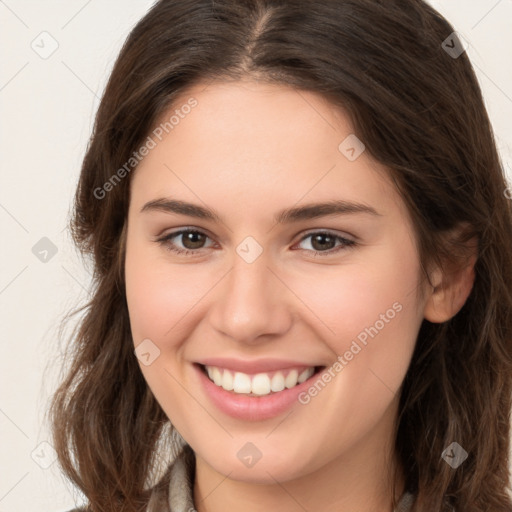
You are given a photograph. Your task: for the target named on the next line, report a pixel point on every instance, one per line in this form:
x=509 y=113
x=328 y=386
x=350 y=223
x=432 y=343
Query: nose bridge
x=251 y=301
x=251 y=271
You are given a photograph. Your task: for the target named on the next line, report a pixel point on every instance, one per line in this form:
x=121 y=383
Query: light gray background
x=46 y=114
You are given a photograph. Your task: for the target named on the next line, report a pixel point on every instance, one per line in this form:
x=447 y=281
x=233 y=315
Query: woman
x=228 y=357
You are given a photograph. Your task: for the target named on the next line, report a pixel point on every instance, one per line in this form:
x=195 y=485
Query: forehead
x=256 y=145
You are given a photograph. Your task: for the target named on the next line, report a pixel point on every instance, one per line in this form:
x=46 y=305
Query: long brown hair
x=420 y=112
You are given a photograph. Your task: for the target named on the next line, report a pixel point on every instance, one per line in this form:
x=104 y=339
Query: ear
x=452 y=287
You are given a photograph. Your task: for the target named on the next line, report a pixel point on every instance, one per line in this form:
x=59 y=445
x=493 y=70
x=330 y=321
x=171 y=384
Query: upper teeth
x=259 y=384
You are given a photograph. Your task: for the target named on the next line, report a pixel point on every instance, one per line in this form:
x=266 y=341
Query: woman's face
x=270 y=294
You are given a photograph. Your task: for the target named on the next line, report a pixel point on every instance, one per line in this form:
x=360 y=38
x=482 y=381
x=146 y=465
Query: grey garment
x=405 y=503
x=180 y=492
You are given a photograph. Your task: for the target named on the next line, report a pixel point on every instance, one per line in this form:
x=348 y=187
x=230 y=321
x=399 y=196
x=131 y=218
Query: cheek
x=369 y=311
x=349 y=298
x=160 y=299
x=373 y=318
x=160 y=295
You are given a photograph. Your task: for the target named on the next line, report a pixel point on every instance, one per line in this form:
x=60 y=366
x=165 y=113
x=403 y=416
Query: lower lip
x=251 y=408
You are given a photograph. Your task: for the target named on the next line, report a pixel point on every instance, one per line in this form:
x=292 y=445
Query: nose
x=251 y=304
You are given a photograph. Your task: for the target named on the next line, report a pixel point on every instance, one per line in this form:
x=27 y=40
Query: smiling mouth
x=259 y=384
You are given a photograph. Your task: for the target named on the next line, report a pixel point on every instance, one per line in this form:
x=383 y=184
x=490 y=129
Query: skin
x=248 y=150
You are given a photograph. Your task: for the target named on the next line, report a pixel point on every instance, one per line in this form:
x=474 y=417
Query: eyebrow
x=286 y=216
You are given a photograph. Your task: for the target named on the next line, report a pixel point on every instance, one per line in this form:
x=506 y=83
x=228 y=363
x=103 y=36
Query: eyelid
x=175 y=231
x=304 y=235
x=181 y=231
x=331 y=232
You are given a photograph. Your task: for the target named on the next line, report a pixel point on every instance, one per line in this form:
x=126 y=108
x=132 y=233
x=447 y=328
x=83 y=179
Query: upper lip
x=255 y=366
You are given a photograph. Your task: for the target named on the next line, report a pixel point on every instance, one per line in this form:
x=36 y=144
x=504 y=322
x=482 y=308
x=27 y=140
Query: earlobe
x=450 y=292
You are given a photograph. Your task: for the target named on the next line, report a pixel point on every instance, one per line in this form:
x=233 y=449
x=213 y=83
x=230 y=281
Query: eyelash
x=346 y=244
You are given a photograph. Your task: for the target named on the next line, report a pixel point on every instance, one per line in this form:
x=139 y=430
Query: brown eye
x=192 y=241
x=325 y=243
